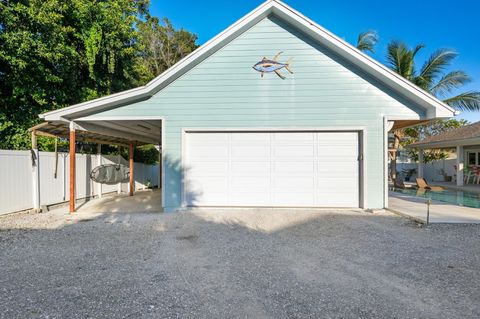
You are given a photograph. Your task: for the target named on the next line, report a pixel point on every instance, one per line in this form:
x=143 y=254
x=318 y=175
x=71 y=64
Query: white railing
x=16 y=178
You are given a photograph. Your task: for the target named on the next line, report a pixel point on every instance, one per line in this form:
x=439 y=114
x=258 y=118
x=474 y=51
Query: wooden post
x=99 y=162
x=119 y=159
x=35 y=173
x=132 y=179
x=72 y=168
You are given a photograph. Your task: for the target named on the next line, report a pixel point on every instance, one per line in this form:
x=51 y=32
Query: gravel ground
x=112 y=262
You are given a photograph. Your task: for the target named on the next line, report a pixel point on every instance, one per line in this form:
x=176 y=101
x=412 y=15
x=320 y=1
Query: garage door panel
x=250 y=138
x=250 y=151
x=200 y=139
x=326 y=187
x=293 y=168
x=295 y=138
x=293 y=151
x=338 y=182
x=340 y=201
x=208 y=169
x=252 y=189
x=303 y=169
x=347 y=153
x=333 y=169
x=293 y=183
x=250 y=199
x=256 y=168
x=214 y=152
x=337 y=137
x=245 y=182
x=300 y=200
x=207 y=184
x=207 y=199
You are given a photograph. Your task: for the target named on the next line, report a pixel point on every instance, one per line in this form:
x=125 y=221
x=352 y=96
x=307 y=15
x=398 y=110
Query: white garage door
x=303 y=169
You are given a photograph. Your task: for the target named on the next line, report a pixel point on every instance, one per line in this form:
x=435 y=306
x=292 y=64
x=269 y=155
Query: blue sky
x=431 y=22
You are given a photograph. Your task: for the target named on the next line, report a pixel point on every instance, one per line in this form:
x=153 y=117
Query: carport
x=122 y=133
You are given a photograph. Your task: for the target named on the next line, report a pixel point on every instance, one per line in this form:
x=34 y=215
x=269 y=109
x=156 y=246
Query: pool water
x=460 y=198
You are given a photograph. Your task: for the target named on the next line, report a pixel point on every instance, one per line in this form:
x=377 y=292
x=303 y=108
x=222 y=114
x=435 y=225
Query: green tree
x=420 y=132
x=55 y=53
x=367 y=41
x=162 y=45
x=434 y=78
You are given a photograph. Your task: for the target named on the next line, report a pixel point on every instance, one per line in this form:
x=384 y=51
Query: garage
x=272 y=169
x=275 y=111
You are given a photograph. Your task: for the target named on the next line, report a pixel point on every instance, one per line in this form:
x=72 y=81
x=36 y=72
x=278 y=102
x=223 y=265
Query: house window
x=473 y=158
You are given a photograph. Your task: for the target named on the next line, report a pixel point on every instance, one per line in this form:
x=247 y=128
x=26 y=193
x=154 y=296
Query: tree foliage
x=420 y=132
x=367 y=41
x=432 y=76
x=161 y=45
x=435 y=78
x=55 y=53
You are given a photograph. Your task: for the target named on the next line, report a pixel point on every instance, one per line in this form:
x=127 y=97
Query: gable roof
x=434 y=108
x=459 y=136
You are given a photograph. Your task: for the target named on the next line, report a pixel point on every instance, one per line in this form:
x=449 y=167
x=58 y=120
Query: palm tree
x=367 y=40
x=432 y=77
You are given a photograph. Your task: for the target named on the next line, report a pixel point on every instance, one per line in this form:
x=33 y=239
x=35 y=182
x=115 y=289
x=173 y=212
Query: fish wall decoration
x=268 y=66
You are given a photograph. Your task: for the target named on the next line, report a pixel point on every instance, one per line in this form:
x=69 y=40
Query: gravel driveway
x=112 y=262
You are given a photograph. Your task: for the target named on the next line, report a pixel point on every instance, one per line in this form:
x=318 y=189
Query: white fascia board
x=64 y=114
x=433 y=106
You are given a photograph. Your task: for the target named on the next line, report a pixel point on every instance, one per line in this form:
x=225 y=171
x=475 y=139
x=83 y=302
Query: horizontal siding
x=224 y=91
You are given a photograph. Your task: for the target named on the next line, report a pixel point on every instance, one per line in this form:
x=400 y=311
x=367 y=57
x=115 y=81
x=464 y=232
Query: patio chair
x=467 y=175
x=422 y=183
x=476 y=172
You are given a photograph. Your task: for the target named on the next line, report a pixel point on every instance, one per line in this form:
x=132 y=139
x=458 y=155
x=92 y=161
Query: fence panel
x=16 y=181
x=432 y=172
x=52 y=189
x=16 y=178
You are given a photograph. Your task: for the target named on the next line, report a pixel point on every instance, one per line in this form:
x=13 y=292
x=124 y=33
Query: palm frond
x=468 y=101
x=449 y=82
x=434 y=66
x=414 y=53
x=401 y=58
x=367 y=40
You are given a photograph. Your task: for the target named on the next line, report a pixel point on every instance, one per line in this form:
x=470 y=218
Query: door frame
x=362 y=141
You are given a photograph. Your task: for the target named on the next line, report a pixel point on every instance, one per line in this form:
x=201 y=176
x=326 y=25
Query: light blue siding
x=224 y=91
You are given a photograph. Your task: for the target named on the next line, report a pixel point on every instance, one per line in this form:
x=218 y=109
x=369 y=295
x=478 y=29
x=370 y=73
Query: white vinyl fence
x=16 y=178
x=433 y=172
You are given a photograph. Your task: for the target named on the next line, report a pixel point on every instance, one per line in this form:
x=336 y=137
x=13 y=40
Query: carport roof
x=60 y=129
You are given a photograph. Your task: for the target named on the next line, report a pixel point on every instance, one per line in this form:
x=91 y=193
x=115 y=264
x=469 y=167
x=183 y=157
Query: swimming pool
x=460 y=198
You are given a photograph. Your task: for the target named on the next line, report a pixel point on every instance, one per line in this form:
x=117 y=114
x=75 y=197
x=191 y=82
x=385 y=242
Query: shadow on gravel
x=232 y=264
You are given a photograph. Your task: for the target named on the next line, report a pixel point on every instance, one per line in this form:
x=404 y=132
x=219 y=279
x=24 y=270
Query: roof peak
x=433 y=106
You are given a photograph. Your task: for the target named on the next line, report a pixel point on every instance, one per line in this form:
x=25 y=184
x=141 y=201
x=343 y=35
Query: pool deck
x=440 y=212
